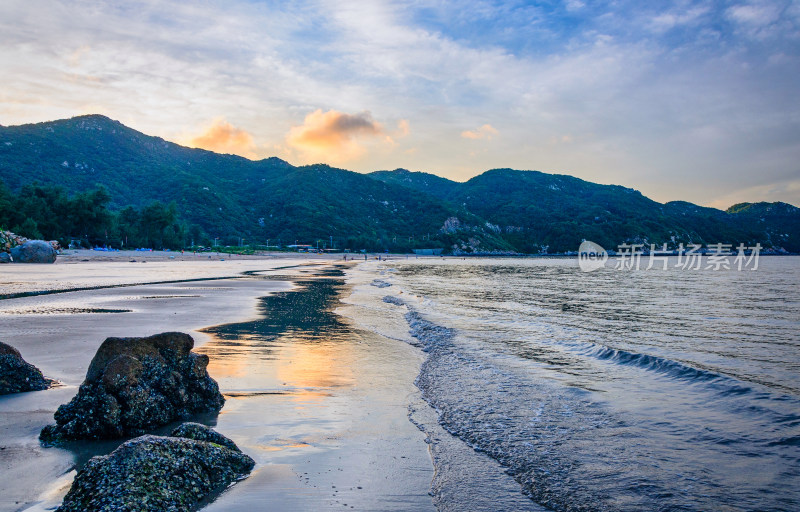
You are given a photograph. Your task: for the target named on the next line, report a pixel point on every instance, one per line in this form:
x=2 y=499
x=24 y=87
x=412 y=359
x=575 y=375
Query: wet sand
x=96 y=269
x=321 y=406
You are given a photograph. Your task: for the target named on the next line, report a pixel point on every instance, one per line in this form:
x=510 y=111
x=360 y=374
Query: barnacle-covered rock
x=200 y=432
x=17 y=375
x=154 y=473
x=134 y=385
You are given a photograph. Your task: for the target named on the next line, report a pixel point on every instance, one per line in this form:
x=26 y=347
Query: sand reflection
x=296 y=349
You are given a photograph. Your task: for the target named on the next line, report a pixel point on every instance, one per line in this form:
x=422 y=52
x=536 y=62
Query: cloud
x=754 y=14
x=223 y=137
x=74 y=58
x=575 y=5
x=403 y=128
x=333 y=136
x=486 y=131
x=671 y=19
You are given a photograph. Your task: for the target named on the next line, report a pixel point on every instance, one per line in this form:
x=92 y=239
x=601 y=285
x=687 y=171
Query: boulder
x=34 y=251
x=17 y=375
x=134 y=385
x=5 y=257
x=154 y=473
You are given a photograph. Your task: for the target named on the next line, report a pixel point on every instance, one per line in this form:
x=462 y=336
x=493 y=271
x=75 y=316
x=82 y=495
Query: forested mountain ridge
x=537 y=211
x=231 y=197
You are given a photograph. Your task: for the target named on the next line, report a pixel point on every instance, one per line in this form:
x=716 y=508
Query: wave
x=569 y=451
x=579 y=424
x=428 y=333
x=391 y=299
x=664 y=366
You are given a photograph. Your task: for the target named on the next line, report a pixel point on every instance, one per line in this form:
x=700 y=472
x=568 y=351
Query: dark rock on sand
x=34 y=251
x=5 y=257
x=154 y=473
x=17 y=375
x=134 y=385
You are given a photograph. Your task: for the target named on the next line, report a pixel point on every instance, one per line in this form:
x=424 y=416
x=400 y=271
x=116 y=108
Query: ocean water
x=546 y=388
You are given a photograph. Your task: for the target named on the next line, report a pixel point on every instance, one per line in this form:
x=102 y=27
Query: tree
x=28 y=229
x=158 y=224
x=89 y=216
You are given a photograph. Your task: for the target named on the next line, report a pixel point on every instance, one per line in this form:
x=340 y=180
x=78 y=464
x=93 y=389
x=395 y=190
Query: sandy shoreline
x=84 y=255
x=328 y=422
x=96 y=269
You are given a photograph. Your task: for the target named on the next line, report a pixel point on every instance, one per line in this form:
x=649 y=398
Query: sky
x=682 y=100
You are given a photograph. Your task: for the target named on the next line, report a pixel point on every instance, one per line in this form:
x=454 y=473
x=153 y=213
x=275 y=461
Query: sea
x=544 y=387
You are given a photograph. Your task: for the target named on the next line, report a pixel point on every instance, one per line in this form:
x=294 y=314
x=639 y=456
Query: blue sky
x=692 y=100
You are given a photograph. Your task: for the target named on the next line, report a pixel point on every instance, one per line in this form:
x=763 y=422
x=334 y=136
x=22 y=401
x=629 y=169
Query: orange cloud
x=403 y=128
x=486 y=131
x=333 y=136
x=223 y=137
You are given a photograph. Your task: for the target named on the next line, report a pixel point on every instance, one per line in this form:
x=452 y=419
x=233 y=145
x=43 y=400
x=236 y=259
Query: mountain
x=81 y=152
x=780 y=222
x=228 y=196
x=499 y=210
x=436 y=186
x=536 y=211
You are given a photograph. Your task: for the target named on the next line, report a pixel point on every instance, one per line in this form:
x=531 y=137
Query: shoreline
x=328 y=403
x=59 y=332
x=97 y=272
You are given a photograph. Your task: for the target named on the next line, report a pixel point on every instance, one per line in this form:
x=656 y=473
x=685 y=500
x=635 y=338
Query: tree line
x=48 y=212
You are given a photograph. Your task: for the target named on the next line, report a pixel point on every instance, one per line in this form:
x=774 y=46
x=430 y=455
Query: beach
x=448 y=384
x=320 y=404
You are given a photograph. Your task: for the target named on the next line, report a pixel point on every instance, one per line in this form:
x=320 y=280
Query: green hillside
x=536 y=211
x=779 y=222
x=229 y=198
x=436 y=186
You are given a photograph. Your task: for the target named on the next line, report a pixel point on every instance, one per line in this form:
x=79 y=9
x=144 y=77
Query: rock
x=200 y=432
x=5 y=257
x=154 y=473
x=17 y=375
x=34 y=251
x=9 y=240
x=134 y=385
